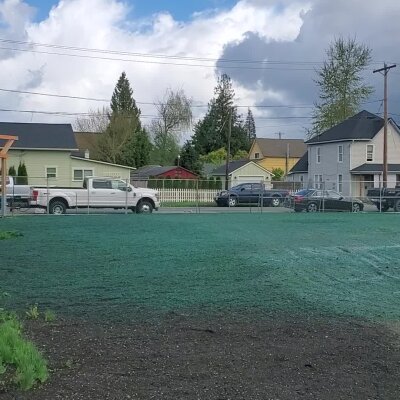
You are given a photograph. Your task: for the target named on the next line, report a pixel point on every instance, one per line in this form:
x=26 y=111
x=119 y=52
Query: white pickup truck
x=96 y=193
x=17 y=195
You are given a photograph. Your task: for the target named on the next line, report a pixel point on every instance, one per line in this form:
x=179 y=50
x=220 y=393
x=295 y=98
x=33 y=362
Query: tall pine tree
x=211 y=133
x=125 y=141
x=250 y=126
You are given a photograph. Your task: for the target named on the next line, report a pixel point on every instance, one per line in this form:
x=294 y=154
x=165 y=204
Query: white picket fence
x=187 y=195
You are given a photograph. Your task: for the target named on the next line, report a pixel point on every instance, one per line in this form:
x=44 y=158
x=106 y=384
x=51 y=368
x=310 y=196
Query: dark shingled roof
x=374 y=168
x=301 y=166
x=363 y=125
x=279 y=147
x=40 y=136
x=233 y=166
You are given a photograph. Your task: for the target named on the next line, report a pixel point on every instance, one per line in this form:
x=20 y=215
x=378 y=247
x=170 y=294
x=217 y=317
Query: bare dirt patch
x=182 y=357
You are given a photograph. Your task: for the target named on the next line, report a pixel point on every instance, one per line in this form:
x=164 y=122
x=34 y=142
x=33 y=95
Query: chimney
x=87 y=153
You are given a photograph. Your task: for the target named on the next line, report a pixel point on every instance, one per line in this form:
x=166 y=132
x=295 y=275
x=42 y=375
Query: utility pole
x=385 y=71
x=280 y=134
x=228 y=151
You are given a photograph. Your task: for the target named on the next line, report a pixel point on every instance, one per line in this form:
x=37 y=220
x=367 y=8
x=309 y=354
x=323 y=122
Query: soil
x=220 y=357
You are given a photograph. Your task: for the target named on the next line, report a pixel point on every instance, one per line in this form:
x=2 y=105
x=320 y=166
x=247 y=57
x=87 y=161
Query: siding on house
x=277 y=162
x=36 y=162
x=329 y=167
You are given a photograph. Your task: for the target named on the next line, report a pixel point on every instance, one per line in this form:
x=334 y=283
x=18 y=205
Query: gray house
x=349 y=156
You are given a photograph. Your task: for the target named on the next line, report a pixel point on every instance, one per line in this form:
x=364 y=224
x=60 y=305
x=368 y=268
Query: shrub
x=9 y=235
x=22 y=178
x=49 y=316
x=33 y=312
x=30 y=367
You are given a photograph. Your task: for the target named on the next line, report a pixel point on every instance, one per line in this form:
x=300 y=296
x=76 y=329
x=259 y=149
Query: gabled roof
x=155 y=170
x=301 y=166
x=40 y=136
x=280 y=147
x=374 y=168
x=233 y=166
x=76 y=157
x=362 y=126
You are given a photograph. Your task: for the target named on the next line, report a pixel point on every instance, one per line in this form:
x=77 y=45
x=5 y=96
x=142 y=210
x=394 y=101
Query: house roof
x=100 y=162
x=40 y=136
x=375 y=168
x=233 y=166
x=301 y=166
x=363 y=125
x=156 y=170
x=279 y=147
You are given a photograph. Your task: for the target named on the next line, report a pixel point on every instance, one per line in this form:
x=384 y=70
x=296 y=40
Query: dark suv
x=250 y=193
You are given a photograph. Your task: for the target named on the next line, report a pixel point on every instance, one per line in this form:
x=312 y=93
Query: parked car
x=313 y=200
x=385 y=198
x=250 y=193
x=96 y=192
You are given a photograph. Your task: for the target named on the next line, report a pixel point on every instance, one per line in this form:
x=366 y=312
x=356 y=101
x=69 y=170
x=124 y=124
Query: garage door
x=247 y=179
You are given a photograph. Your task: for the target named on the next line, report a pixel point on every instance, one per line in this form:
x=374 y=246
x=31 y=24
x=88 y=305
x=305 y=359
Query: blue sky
x=180 y=9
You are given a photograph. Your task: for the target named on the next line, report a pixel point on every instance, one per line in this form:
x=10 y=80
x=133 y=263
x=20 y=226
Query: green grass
x=117 y=266
x=9 y=235
x=20 y=361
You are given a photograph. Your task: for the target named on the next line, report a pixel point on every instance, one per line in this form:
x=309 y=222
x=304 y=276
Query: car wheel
x=57 y=207
x=356 y=207
x=275 y=202
x=232 y=201
x=396 y=205
x=312 y=207
x=144 y=207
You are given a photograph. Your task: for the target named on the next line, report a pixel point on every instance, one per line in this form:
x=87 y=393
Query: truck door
x=100 y=193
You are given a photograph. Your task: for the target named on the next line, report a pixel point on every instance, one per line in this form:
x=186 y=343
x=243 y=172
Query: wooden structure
x=9 y=140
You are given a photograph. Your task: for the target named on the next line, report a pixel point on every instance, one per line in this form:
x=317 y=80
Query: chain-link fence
x=53 y=195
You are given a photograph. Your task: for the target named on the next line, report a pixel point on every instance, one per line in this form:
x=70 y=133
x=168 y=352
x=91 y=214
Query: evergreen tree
x=22 y=178
x=125 y=141
x=12 y=172
x=250 y=126
x=190 y=158
x=340 y=84
x=211 y=133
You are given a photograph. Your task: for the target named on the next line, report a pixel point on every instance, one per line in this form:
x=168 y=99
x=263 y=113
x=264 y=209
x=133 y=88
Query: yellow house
x=277 y=153
x=52 y=156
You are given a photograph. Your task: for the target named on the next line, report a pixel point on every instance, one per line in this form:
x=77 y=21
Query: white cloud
x=105 y=24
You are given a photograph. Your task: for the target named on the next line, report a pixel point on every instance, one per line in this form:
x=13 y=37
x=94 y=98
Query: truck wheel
x=144 y=207
x=383 y=207
x=396 y=205
x=275 y=202
x=57 y=207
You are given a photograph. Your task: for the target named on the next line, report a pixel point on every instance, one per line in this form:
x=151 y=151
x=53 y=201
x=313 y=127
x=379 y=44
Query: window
x=80 y=174
x=340 y=183
x=340 y=153
x=370 y=152
x=51 y=172
x=318 y=182
x=318 y=155
x=118 y=185
x=256 y=155
x=101 y=184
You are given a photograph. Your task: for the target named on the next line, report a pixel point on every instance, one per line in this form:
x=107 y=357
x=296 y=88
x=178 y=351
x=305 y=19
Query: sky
x=270 y=49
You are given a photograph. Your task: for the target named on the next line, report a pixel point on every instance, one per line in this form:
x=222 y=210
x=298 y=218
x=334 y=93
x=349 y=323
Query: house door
x=367 y=182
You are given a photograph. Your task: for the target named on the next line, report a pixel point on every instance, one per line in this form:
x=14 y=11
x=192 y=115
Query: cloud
x=366 y=21
x=252 y=29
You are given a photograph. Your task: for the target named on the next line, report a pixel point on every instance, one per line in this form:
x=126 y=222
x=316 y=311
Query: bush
x=49 y=316
x=33 y=312
x=20 y=354
x=22 y=178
